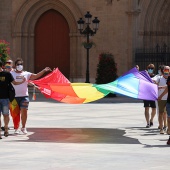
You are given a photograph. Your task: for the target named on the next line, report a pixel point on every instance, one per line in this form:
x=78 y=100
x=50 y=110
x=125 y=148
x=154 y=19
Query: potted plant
x=106 y=70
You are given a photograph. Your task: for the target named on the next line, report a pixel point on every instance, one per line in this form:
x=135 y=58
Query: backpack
x=11 y=92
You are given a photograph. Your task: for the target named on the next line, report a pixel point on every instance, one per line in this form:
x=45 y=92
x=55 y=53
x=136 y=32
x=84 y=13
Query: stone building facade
x=125 y=25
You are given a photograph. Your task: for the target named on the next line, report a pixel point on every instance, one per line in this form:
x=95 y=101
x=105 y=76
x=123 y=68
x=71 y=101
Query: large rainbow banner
x=133 y=84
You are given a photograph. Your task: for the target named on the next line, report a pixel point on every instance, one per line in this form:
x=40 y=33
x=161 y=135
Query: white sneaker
x=24 y=130
x=161 y=131
x=17 y=131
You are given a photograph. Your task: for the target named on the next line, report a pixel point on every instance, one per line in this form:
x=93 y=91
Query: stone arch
x=154 y=22
x=143 y=5
x=24 y=24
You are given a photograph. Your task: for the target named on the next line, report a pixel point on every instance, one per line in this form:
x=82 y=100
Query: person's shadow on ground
x=149 y=132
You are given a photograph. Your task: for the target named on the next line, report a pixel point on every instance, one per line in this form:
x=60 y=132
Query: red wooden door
x=52 y=46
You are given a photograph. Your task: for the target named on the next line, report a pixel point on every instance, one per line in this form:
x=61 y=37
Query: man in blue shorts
x=5 y=79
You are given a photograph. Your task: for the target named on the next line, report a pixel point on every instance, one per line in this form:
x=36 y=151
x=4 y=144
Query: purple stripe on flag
x=148 y=91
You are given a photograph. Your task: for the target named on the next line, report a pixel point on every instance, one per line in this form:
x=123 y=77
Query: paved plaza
x=108 y=134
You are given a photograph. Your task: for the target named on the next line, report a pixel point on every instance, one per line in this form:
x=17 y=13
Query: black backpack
x=11 y=92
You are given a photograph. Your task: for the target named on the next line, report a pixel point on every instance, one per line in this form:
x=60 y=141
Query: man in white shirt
x=161 y=82
x=21 y=91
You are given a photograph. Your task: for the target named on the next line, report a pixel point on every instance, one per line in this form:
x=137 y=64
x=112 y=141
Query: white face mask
x=19 y=68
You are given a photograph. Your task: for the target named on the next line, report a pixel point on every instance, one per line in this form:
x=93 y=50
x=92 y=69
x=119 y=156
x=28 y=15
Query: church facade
x=45 y=33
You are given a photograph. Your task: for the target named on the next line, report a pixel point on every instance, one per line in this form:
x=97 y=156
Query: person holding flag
x=161 y=82
x=21 y=93
x=167 y=90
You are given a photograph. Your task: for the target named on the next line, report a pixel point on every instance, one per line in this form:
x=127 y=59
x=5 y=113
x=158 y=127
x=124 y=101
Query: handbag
x=11 y=92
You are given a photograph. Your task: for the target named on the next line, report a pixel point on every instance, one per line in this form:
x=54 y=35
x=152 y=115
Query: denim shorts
x=4 y=106
x=168 y=109
x=23 y=102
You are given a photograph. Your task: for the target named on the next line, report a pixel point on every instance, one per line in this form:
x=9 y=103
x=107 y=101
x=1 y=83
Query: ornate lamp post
x=88 y=32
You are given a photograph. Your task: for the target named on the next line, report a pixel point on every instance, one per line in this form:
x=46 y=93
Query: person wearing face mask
x=160 y=70
x=161 y=82
x=137 y=67
x=149 y=103
x=167 y=91
x=158 y=76
x=22 y=96
x=5 y=80
x=8 y=67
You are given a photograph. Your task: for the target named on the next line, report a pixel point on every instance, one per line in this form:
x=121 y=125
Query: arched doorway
x=52 y=43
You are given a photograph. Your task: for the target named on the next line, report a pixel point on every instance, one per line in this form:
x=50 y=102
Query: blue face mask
x=159 y=72
x=150 y=71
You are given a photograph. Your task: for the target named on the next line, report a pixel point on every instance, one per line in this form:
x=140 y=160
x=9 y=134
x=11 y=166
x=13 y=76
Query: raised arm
x=35 y=76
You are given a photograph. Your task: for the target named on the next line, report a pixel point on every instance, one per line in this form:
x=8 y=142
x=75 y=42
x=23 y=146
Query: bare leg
x=147 y=114
x=153 y=114
x=168 y=125
x=0 y=126
x=6 y=121
x=165 y=119
x=161 y=120
x=23 y=117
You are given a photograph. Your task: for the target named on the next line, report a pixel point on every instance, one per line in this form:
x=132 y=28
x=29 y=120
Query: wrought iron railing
x=157 y=56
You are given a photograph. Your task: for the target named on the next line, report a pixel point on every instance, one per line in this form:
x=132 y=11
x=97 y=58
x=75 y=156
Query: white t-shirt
x=22 y=89
x=161 y=81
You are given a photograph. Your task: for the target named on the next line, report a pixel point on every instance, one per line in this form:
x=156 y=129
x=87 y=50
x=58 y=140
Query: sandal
x=168 y=132
x=2 y=128
x=6 y=132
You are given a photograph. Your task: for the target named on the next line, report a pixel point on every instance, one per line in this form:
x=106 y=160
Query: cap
x=9 y=61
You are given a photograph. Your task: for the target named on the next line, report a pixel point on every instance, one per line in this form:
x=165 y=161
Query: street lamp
x=88 y=32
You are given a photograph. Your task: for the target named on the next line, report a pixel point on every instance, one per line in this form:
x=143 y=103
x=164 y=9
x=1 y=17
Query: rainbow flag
x=133 y=84
x=15 y=113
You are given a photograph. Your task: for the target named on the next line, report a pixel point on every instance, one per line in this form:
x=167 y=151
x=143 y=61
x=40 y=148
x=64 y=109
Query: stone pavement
x=108 y=134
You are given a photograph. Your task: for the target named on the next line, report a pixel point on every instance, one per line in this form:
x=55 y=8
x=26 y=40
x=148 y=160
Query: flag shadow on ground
x=80 y=135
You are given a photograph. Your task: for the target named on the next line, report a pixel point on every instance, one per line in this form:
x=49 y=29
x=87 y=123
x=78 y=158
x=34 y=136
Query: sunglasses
x=19 y=64
x=151 y=68
x=8 y=62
